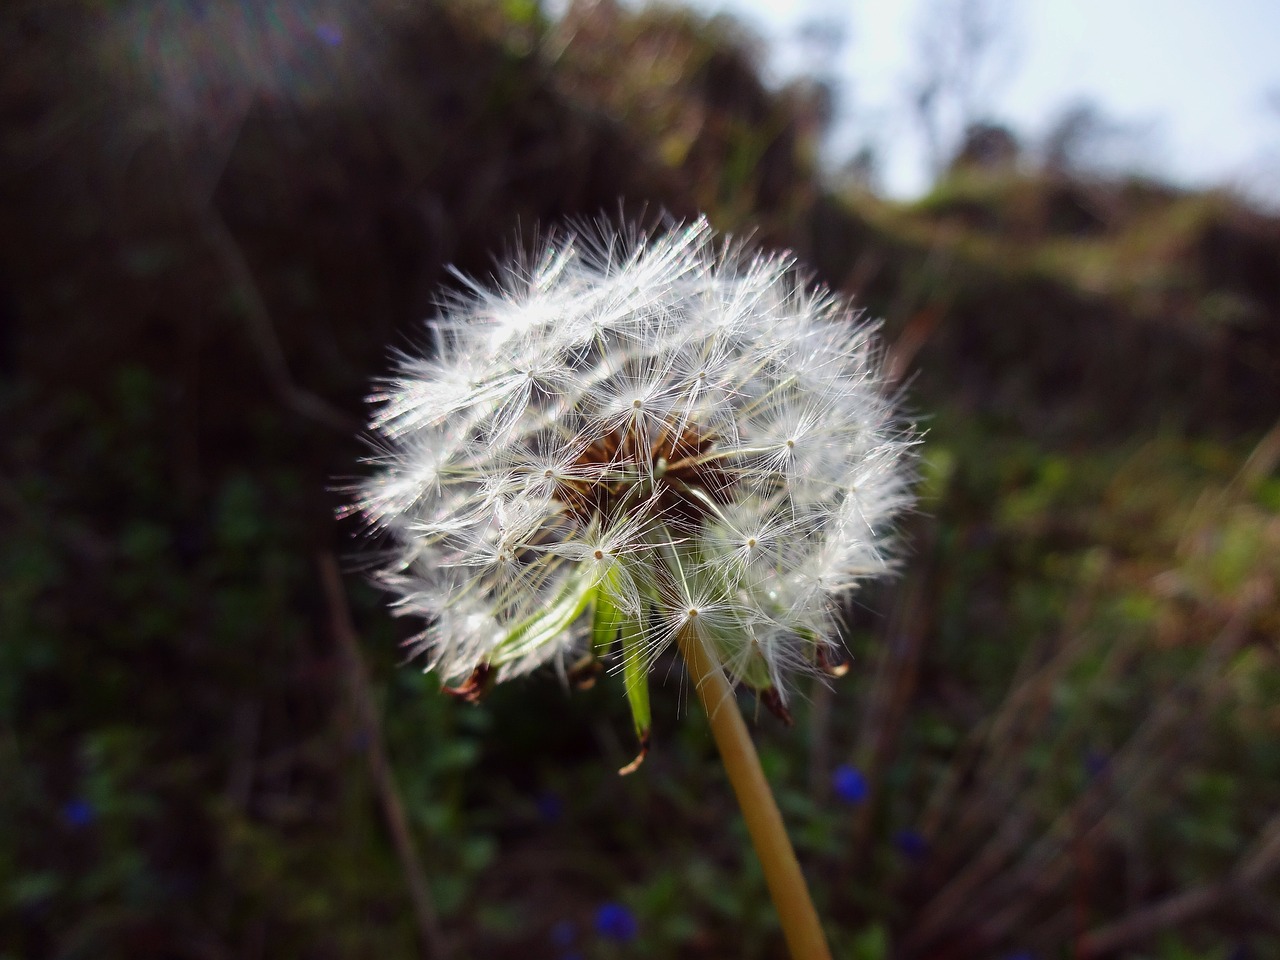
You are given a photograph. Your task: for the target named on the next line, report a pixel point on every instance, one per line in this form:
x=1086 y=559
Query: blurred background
x=1060 y=736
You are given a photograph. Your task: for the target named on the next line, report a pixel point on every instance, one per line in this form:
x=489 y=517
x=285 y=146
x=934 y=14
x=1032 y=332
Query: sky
x=1192 y=77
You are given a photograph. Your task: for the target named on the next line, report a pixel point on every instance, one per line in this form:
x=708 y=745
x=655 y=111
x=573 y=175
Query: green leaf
x=871 y=943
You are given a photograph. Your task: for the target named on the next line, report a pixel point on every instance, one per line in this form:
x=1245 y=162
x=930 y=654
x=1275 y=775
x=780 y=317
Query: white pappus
x=633 y=437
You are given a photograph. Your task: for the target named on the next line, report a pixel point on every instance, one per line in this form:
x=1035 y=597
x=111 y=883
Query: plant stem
x=800 y=925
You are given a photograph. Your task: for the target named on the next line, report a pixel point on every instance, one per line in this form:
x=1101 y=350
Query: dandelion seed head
x=664 y=427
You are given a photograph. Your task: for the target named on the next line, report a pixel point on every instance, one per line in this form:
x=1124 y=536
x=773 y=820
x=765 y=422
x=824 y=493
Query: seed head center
x=664 y=466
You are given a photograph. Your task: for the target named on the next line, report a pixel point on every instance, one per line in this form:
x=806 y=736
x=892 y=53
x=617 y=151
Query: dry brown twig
x=1255 y=866
x=384 y=783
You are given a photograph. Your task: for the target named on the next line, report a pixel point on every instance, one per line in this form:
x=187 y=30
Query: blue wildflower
x=1095 y=763
x=78 y=813
x=550 y=806
x=849 y=784
x=563 y=933
x=616 y=922
x=910 y=844
x=329 y=34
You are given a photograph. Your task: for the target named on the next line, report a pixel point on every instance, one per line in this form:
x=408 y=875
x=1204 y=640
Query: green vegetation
x=1064 y=717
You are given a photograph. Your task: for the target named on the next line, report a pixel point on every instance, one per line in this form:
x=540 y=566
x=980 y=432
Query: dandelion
x=633 y=442
x=630 y=445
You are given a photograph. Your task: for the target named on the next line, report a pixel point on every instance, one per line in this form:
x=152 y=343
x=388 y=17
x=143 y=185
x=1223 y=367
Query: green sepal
x=757 y=676
x=608 y=621
x=636 y=677
x=608 y=617
x=552 y=621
